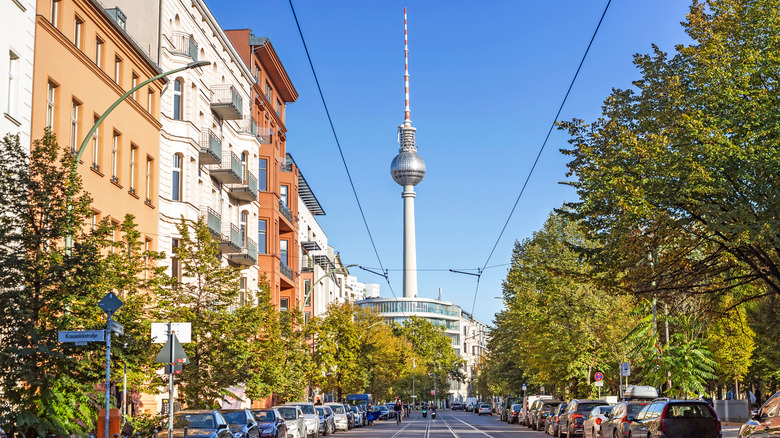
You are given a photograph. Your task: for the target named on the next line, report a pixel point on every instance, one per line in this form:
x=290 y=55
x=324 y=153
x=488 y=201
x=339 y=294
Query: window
x=118 y=70
x=178 y=86
x=74 y=126
x=242 y=227
x=96 y=146
x=150 y=101
x=54 y=13
x=147 y=248
x=268 y=90
x=242 y=294
x=134 y=84
x=98 y=52
x=175 y=262
x=262 y=175
x=13 y=66
x=283 y=304
x=149 y=181
x=78 y=29
x=283 y=252
x=307 y=292
x=283 y=194
x=93 y=221
x=115 y=158
x=176 y=178
x=261 y=236
x=278 y=107
x=306 y=317
x=50 y=95
x=133 y=153
x=244 y=167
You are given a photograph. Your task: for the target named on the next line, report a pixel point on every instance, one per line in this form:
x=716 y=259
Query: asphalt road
x=455 y=425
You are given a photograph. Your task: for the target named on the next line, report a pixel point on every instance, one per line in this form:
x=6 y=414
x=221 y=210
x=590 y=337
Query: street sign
x=625 y=369
x=524 y=386
x=177 y=369
x=116 y=327
x=110 y=303
x=433 y=392
x=82 y=337
x=183 y=331
x=179 y=356
x=599 y=383
x=599 y=377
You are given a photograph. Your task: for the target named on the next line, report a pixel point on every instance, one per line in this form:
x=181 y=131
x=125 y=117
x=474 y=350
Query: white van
x=522 y=418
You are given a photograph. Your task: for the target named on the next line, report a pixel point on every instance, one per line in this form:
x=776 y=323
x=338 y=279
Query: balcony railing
x=247 y=255
x=307 y=264
x=226 y=102
x=213 y=220
x=286 y=270
x=210 y=148
x=285 y=210
x=184 y=44
x=285 y=166
x=230 y=242
x=248 y=125
x=265 y=135
x=246 y=190
x=229 y=171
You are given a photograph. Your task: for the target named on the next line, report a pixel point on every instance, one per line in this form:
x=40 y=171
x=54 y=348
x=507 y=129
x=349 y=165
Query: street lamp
x=83 y=147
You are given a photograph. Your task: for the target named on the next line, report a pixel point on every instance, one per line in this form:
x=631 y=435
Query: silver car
x=294 y=419
x=339 y=416
x=310 y=418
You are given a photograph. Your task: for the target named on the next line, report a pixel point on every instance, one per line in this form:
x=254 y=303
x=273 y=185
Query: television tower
x=407 y=170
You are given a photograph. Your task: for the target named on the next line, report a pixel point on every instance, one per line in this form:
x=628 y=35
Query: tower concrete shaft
x=410 y=244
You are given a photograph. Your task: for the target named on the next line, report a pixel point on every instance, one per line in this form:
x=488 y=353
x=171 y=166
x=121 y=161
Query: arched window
x=178 y=99
x=176 y=178
x=242 y=225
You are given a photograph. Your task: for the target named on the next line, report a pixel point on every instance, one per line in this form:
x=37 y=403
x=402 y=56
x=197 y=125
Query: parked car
x=506 y=404
x=340 y=417
x=539 y=414
x=552 y=425
x=270 y=423
x=619 y=420
x=199 y=423
x=485 y=408
x=241 y=422
x=357 y=416
x=570 y=423
x=766 y=420
x=526 y=407
x=390 y=410
x=676 y=418
x=326 y=426
x=350 y=416
x=384 y=413
x=592 y=424
x=294 y=419
x=310 y=418
x=514 y=411
x=457 y=407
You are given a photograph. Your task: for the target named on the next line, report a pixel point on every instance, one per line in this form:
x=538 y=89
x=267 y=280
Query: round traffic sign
x=599 y=377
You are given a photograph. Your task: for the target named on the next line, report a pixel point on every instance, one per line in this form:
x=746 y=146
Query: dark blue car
x=270 y=423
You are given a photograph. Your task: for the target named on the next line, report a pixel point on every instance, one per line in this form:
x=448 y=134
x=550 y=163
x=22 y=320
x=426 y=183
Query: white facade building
x=17 y=40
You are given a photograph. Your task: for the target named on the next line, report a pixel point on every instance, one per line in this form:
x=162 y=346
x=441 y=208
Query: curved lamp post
x=83 y=147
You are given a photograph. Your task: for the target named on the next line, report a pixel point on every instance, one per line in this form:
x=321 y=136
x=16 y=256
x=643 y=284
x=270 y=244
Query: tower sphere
x=408 y=168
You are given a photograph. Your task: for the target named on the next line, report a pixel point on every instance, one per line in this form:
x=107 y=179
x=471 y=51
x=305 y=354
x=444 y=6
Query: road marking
x=483 y=433
x=450 y=428
x=397 y=434
x=428 y=429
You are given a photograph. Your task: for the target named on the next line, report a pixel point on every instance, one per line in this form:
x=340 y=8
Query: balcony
x=264 y=135
x=230 y=241
x=246 y=190
x=247 y=256
x=285 y=166
x=226 y=103
x=213 y=220
x=229 y=171
x=247 y=125
x=285 y=211
x=307 y=264
x=310 y=246
x=286 y=270
x=210 y=148
x=184 y=44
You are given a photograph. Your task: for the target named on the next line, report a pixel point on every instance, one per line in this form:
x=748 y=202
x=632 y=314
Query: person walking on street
x=398 y=408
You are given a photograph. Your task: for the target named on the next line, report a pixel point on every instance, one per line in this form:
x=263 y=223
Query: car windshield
x=688 y=410
x=288 y=413
x=587 y=407
x=338 y=409
x=235 y=417
x=383 y=408
x=265 y=416
x=307 y=409
x=321 y=411
x=194 y=421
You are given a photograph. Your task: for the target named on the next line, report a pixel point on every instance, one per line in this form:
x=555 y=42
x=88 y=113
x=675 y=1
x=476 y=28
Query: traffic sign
x=599 y=377
x=110 y=303
x=524 y=386
x=179 y=356
x=116 y=327
x=433 y=392
x=599 y=383
x=183 y=331
x=81 y=337
x=625 y=369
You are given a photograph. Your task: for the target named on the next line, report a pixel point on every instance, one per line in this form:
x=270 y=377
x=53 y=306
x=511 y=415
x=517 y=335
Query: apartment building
x=17 y=41
x=83 y=62
x=313 y=243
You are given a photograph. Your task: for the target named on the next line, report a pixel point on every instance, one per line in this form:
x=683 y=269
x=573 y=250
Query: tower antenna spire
x=407 y=119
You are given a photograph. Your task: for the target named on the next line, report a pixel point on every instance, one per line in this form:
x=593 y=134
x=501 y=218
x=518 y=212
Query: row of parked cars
x=292 y=420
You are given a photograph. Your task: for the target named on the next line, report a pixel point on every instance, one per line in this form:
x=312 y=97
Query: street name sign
x=160 y=333
x=81 y=337
x=116 y=327
x=599 y=383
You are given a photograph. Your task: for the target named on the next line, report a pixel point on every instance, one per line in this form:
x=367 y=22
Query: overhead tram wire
x=541 y=149
x=338 y=144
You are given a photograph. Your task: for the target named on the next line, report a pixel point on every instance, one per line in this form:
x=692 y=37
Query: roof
x=305 y=192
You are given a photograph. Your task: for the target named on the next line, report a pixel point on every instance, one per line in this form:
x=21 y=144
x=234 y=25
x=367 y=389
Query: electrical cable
x=539 y=155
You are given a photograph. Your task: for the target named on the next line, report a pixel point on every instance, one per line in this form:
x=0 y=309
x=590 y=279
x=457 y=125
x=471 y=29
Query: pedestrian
x=370 y=415
x=318 y=402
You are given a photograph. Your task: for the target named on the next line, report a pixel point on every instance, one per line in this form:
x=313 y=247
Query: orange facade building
x=84 y=61
x=277 y=176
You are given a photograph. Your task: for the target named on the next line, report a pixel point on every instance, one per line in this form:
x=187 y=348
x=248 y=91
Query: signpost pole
x=170 y=383
x=108 y=376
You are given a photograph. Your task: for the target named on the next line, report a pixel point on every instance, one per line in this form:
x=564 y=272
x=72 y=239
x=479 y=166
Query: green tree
x=688 y=158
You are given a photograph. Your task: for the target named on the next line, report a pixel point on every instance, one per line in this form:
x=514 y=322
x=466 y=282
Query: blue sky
x=486 y=79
